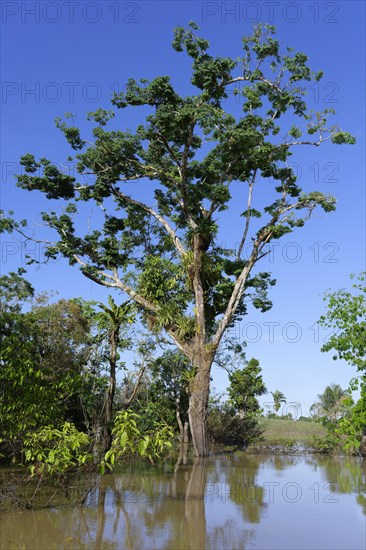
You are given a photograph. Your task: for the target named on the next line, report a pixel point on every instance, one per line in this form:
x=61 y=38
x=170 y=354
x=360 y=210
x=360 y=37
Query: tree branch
x=185 y=347
x=117 y=284
x=136 y=386
x=177 y=243
x=235 y=298
x=171 y=152
x=242 y=242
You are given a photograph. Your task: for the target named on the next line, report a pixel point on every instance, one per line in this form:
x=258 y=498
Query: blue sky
x=59 y=57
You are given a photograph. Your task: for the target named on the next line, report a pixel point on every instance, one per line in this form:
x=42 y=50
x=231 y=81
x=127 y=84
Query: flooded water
x=224 y=502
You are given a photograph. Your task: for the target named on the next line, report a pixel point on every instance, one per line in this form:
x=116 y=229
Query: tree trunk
x=113 y=340
x=98 y=441
x=179 y=419
x=197 y=412
x=183 y=427
x=186 y=432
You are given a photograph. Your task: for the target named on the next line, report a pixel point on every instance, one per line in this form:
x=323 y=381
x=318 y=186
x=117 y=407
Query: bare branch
x=177 y=243
x=235 y=298
x=250 y=193
x=117 y=283
x=28 y=238
x=314 y=143
x=136 y=386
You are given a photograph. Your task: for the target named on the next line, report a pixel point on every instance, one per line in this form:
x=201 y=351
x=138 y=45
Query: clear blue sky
x=59 y=57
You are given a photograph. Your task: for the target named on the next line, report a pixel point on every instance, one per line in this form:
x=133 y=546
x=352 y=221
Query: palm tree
x=331 y=401
x=315 y=410
x=278 y=398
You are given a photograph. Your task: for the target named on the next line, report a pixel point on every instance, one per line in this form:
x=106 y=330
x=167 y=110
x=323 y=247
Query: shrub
x=325 y=445
x=226 y=427
x=55 y=451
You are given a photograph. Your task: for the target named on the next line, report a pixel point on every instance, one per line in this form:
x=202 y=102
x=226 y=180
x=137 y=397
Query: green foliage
x=43 y=351
x=49 y=375
x=129 y=440
x=245 y=385
x=328 y=444
x=286 y=416
x=27 y=399
x=343 y=137
x=346 y=316
x=353 y=425
x=54 y=451
x=15 y=290
x=114 y=315
x=226 y=427
x=278 y=398
x=332 y=402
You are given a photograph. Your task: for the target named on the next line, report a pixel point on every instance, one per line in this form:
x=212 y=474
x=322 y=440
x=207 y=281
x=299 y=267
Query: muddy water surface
x=224 y=502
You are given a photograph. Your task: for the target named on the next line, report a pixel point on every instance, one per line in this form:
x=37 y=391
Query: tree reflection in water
x=169 y=504
x=215 y=502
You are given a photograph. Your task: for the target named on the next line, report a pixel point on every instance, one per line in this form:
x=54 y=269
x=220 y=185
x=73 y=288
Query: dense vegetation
x=67 y=398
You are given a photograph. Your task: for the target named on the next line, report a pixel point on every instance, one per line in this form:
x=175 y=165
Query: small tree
x=278 y=398
x=193 y=155
x=170 y=375
x=113 y=319
x=245 y=386
x=346 y=316
x=331 y=402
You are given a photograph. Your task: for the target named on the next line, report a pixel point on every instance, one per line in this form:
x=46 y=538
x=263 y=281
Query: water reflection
x=225 y=501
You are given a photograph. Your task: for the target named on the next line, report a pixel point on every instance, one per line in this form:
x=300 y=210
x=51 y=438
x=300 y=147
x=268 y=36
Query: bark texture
x=197 y=412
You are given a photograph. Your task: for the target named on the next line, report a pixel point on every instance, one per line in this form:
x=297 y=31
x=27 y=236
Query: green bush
x=128 y=439
x=325 y=445
x=225 y=427
x=55 y=451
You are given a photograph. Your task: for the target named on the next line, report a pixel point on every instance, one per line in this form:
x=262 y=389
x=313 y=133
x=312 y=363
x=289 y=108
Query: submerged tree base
x=21 y=490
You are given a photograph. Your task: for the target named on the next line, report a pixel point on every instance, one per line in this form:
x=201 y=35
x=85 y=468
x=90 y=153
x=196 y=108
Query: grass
x=283 y=432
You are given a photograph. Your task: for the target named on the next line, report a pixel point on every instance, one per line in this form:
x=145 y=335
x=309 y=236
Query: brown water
x=223 y=502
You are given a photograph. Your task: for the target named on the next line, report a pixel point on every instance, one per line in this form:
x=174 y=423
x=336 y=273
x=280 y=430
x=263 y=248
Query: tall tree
x=187 y=158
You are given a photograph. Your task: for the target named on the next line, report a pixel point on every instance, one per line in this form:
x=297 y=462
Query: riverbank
x=287 y=437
